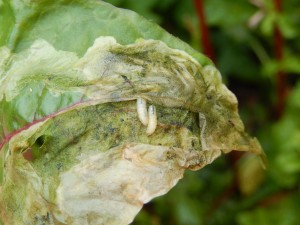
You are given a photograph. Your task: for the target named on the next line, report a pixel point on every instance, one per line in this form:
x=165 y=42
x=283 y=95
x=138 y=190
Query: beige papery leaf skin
x=147 y=113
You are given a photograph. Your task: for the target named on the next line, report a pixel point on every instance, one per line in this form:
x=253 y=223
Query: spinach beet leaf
x=79 y=144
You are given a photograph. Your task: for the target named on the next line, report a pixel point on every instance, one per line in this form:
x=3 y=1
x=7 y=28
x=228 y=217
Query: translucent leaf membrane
x=110 y=72
x=93 y=162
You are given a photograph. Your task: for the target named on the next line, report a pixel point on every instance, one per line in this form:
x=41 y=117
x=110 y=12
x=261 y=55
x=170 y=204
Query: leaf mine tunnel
x=97 y=153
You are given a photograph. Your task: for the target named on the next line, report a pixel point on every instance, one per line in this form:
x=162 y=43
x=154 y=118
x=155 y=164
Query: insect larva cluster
x=147 y=118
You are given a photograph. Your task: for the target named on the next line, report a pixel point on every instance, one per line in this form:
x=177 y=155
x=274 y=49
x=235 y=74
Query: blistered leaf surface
x=98 y=146
x=74 y=149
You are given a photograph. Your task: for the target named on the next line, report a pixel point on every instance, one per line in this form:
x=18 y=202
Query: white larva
x=142 y=110
x=152 y=120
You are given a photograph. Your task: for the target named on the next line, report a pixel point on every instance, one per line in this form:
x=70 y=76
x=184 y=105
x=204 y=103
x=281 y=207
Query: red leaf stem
x=281 y=86
x=205 y=37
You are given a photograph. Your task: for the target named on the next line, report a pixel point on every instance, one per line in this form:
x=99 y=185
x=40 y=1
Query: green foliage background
x=234 y=190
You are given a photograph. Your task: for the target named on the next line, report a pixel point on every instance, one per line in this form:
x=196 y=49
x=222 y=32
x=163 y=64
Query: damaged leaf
x=79 y=144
